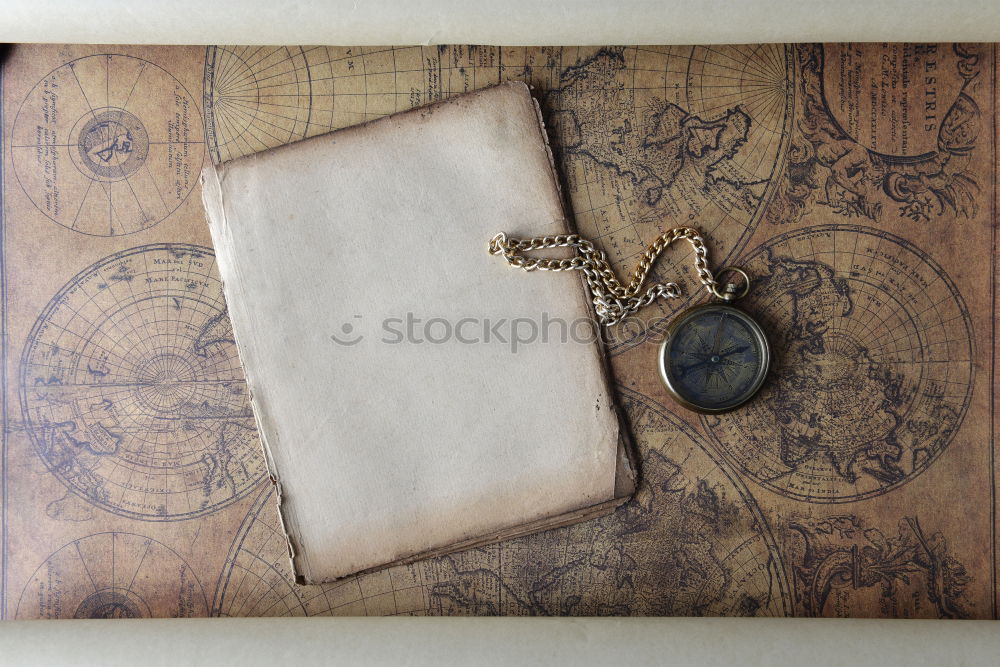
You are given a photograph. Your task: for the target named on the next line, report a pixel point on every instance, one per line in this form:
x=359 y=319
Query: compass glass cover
x=714 y=358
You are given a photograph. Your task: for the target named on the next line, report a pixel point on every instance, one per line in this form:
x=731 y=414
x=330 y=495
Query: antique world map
x=856 y=184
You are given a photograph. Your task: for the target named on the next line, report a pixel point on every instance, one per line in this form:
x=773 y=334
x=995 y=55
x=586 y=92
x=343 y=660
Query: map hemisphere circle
x=91 y=162
x=874 y=366
x=131 y=388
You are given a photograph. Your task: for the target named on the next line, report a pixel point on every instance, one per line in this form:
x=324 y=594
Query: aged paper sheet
x=856 y=183
x=411 y=433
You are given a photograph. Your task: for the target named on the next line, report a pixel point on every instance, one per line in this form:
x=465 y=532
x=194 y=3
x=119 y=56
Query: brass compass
x=714 y=357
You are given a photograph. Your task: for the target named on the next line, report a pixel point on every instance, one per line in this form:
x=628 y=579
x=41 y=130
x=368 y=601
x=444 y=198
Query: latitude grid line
x=236 y=134
x=83 y=561
x=940 y=322
x=395 y=79
x=223 y=70
x=91 y=299
x=156 y=186
x=917 y=330
x=395 y=93
x=776 y=104
x=234 y=568
x=206 y=274
x=865 y=287
x=242 y=109
x=126 y=486
x=72 y=69
x=280 y=599
x=746 y=63
x=782 y=132
x=63 y=329
x=123 y=302
x=262 y=58
x=364 y=69
x=873 y=344
x=242 y=580
x=53 y=346
x=298 y=84
x=252 y=73
x=868 y=273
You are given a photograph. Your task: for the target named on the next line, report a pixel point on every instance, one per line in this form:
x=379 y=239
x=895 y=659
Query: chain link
x=613 y=300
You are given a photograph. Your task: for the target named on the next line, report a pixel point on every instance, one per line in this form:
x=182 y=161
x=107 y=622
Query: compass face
x=714 y=358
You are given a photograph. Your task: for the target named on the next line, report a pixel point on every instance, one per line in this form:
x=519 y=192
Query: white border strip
x=505 y=22
x=511 y=641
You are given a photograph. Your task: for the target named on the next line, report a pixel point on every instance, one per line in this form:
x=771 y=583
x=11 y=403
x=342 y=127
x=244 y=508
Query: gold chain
x=612 y=300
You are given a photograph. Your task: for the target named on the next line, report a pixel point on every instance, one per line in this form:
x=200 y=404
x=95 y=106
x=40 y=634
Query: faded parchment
x=397 y=438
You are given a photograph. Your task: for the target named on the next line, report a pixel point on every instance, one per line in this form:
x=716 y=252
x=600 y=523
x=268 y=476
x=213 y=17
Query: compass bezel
x=675 y=326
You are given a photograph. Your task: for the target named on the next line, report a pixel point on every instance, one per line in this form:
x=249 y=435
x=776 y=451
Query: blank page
x=397 y=411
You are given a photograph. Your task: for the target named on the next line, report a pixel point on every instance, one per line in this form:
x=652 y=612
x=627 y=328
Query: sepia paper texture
x=387 y=438
x=856 y=184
